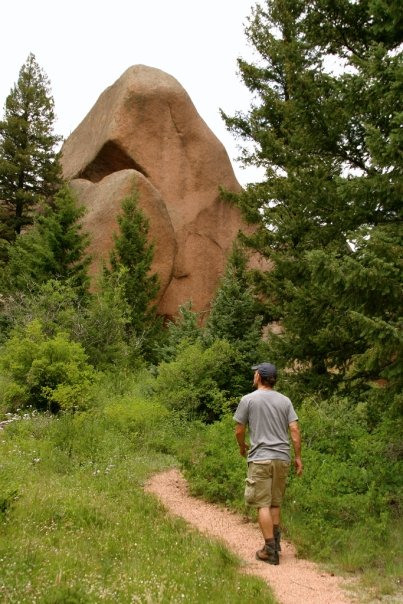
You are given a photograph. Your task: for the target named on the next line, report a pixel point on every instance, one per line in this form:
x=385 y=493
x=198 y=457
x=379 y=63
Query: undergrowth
x=77 y=527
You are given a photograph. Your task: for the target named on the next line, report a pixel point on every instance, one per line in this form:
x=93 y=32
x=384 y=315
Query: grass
x=77 y=527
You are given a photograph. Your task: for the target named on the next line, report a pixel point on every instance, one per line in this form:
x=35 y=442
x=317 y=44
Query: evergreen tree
x=29 y=165
x=366 y=289
x=54 y=248
x=133 y=252
x=236 y=316
x=183 y=330
x=104 y=323
x=331 y=148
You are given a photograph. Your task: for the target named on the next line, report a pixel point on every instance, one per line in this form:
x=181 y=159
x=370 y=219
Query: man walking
x=270 y=417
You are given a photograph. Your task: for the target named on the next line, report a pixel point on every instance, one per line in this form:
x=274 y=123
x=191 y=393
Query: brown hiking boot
x=268 y=554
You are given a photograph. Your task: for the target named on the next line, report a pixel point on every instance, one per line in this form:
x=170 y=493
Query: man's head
x=265 y=373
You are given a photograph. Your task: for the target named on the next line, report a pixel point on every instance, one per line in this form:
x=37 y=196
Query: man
x=269 y=417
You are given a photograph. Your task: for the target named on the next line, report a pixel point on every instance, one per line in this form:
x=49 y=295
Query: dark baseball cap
x=266 y=370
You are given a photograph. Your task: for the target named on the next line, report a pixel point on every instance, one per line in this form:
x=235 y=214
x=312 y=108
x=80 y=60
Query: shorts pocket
x=250 y=490
x=285 y=469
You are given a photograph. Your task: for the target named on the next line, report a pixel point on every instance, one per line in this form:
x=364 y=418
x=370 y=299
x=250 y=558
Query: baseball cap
x=266 y=370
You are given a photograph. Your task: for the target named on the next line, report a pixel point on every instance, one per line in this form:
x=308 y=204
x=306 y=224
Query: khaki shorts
x=265 y=484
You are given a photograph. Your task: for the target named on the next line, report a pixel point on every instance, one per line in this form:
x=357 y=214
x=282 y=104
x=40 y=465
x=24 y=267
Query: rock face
x=144 y=131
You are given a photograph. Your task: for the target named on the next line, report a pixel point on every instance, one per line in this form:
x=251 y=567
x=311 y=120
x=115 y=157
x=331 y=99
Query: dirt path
x=294 y=581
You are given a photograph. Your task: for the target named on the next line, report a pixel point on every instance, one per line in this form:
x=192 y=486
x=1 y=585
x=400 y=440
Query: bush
x=135 y=415
x=46 y=372
x=352 y=477
x=198 y=381
x=214 y=466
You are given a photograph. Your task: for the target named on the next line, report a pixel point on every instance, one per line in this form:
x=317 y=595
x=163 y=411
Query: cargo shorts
x=266 y=482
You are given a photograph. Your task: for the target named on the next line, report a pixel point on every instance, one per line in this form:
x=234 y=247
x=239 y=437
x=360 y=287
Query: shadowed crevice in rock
x=111 y=158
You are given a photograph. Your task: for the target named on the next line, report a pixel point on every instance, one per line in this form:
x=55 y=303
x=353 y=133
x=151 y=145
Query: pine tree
x=29 y=165
x=182 y=331
x=54 y=248
x=236 y=316
x=330 y=144
x=134 y=252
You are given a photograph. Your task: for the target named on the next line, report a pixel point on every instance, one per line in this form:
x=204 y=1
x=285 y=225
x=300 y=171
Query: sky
x=84 y=46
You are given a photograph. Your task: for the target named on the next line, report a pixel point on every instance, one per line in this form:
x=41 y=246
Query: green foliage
x=200 y=381
x=214 y=467
x=237 y=316
x=55 y=304
x=183 y=330
x=365 y=287
x=29 y=166
x=81 y=507
x=327 y=212
x=105 y=321
x=53 y=249
x=351 y=495
x=234 y=311
x=46 y=372
x=133 y=252
x=137 y=416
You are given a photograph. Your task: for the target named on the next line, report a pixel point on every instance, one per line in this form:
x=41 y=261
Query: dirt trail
x=294 y=581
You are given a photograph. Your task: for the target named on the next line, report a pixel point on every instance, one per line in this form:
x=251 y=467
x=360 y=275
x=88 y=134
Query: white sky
x=85 y=46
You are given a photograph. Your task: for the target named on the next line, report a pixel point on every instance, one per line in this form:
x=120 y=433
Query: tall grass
x=77 y=527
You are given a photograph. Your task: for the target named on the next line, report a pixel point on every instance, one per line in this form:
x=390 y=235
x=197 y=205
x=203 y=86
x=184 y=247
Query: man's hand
x=240 y=432
x=296 y=441
x=243 y=449
x=298 y=466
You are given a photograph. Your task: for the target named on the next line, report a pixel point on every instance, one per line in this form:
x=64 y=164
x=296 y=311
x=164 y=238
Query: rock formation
x=145 y=130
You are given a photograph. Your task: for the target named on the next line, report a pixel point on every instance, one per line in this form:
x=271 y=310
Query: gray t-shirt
x=268 y=415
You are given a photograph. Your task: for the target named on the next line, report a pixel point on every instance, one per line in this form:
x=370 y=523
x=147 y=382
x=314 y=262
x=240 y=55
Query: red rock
x=145 y=127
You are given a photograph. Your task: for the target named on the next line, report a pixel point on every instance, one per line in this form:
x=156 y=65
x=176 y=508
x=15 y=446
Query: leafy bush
x=199 y=381
x=135 y=415
x=46 y=372
x=213 y=464
x=54 y=303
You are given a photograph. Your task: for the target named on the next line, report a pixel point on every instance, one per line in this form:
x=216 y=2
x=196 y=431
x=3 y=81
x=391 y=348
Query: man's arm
x=240 y=432
x=296 y=441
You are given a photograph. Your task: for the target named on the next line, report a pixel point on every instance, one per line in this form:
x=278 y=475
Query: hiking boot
x=277 y=537
x=268 y=554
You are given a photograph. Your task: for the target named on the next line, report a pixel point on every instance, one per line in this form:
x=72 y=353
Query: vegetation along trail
x=293 y=581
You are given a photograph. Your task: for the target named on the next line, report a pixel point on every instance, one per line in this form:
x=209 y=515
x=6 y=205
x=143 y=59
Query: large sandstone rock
x=145 y=129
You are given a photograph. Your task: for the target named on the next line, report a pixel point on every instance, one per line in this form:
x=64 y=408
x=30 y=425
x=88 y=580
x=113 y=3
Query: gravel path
x=294 y=581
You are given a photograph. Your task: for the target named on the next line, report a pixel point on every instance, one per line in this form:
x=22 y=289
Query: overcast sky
x=84 y=46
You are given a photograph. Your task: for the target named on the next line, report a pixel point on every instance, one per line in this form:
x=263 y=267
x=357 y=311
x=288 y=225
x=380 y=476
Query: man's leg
x=280 y=473
x=275 y=516
x=258 y=492
x=268 y=553
x=265 y=522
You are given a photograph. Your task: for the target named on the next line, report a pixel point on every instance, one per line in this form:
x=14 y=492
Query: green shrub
x=46 y=372
x=351 y=485
x=214 y=466
x=135 y=415
x=198 y=381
